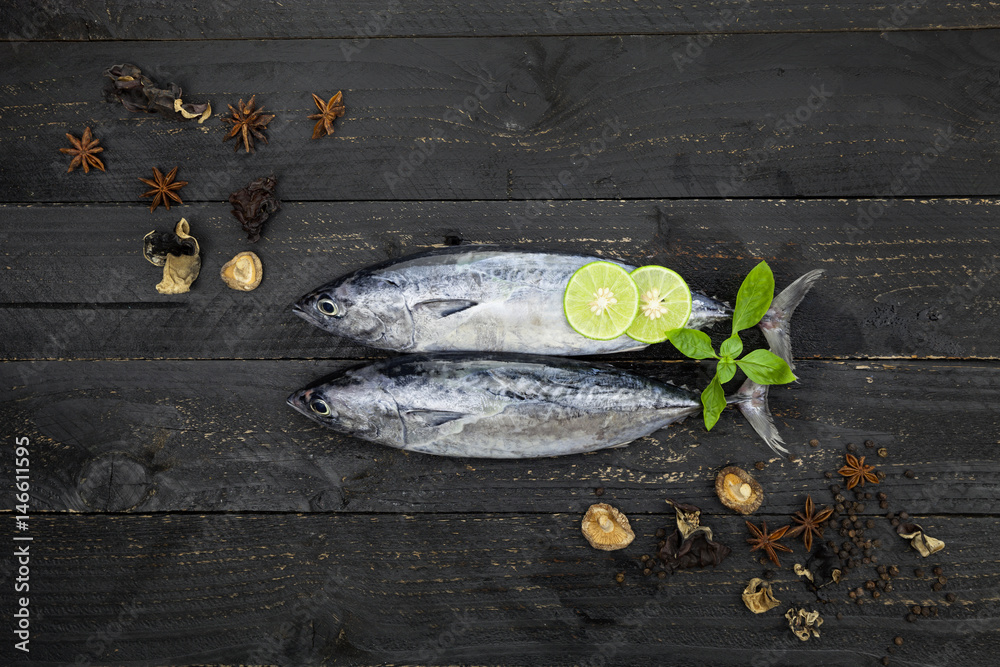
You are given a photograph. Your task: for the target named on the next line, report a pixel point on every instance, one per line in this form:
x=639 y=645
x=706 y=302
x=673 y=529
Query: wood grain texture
x=259 y=19
x=791 y=115
x=207 y=436
x=922 y=279
x=460 y=589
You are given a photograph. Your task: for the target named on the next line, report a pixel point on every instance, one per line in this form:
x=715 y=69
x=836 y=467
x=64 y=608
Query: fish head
x=363 y=306
x=351 y=405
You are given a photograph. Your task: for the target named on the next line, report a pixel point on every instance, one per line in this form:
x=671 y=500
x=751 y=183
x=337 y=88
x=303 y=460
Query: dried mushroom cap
x=757 y=596
x=243 y=272
x=804 y=623
x=919 y=540
x=691 y=545
x=179 y=270
x=606 y=528
x=738 y=490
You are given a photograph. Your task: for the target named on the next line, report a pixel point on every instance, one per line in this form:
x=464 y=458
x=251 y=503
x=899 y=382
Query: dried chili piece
x=253 y=204
x=139 y=93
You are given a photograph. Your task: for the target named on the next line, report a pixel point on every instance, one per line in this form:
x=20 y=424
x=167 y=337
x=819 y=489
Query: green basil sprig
x=761 y=366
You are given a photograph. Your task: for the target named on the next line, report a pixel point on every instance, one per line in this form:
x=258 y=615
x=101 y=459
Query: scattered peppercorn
x=661 y=574
x=644 y=558
x=908 y=474
x=884 y=505
x=885 y=660
x=851 y=447
x=938 y=571
x=620 y=577
x=869 y=443
x=937 y=586
x=888 y=588
x=828 y=474
x=919 y=573
x=880 y=475
x=910 y=618
x=881 y=496
x=950 y=597
x=647 y=572
x=942 y=580
x=893 y=570
x=904 y=516
x=599 y=491
x=925 y=611
x=835 y=488
x=898 y=641
x=876 y=595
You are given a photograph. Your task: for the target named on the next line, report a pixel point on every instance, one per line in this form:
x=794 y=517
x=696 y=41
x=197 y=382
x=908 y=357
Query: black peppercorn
x=893 y=570
x=916 y=609
x=925 y=611
x=852 y=594
x=908 y=474
x=888 y=588
x=647 y=572
x=814 y=443
x=759 y=465
x=910 y=618
x=885 y=660
x=950 y=597
x=869 y=444
x=898 y=641
x=942 y=580
x=869 y=524
x=884 y=505
x=840 y=616
x=851 y=447
x=870 y=585
x=883 y=452
x=644 y=558
x=937 y=586
x=828 y=474
x=938 y=571
x=661 y=574
x=919 y=573
x=620 y=577
x=661 y=533
x=882 y=496
x=894 y=522
x=859 y=601
x=876 y=595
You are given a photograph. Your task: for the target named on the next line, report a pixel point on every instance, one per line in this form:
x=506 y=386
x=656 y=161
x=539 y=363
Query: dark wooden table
x=181 y=513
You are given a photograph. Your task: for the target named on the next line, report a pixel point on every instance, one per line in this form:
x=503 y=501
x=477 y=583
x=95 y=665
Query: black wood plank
x=258 y=19
x=460 y=589
x=831 y=114
x=922 y=279
x=207 y=435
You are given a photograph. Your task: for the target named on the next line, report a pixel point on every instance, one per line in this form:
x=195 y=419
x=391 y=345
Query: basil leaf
x=692 y=343
x=754 y=298
x=713 y=400
x=731 y=347
x=765 y=367
x=725 y=370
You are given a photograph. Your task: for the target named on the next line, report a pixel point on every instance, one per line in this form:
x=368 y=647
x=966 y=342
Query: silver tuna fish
x=494 y=406
x=469 y=298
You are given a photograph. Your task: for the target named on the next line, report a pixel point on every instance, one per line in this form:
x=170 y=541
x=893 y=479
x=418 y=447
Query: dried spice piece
x=180 y=257
x=767 y=541
x=253 y=204
x=919 y=540
x=328 y=112
x=757 y=596
x=139 y=93
x=243 y=272
x=691 y=544
x=164 y=188
x=810 y=523
x=857 y=472
x=248 y=122
x=738 y=490
x=606 y=528
x=805 y=624
x=84 y=152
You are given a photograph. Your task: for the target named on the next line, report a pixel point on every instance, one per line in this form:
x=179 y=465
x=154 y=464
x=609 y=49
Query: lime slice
x=601 y=300
x=664 y=304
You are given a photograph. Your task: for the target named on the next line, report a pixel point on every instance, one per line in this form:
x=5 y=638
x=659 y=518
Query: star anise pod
x=810 y=523
x=767 y=541
x=164 y=188
x=328 y=112
x=83 y=152
x=248 y=121
x=857 y=472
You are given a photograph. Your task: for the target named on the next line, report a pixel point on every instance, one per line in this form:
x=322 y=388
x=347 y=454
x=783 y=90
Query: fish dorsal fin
x=430 y=418
x=444 y=307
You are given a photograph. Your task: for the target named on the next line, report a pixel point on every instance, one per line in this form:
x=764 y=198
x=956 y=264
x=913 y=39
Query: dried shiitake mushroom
x=758 y=596
x=243 y=272
x=738 y=490
x=606 y=528
x=919 y=540
x=804 y=624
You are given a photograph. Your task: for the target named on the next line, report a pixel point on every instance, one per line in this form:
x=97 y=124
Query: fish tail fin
x=751 y=399
x=776 y=324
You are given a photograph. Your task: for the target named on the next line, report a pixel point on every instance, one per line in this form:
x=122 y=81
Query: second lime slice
x=664 y=304
x=600 y=301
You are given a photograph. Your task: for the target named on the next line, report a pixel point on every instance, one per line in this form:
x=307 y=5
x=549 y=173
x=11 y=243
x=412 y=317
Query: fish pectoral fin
x=431 y=417
x=444 y=307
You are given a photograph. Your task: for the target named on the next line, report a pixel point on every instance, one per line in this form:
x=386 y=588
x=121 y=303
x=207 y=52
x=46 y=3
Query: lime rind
x=674 y=293
x=581 y=290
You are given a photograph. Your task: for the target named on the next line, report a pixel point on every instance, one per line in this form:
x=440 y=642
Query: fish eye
x=319 y=406
x=328 y=307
